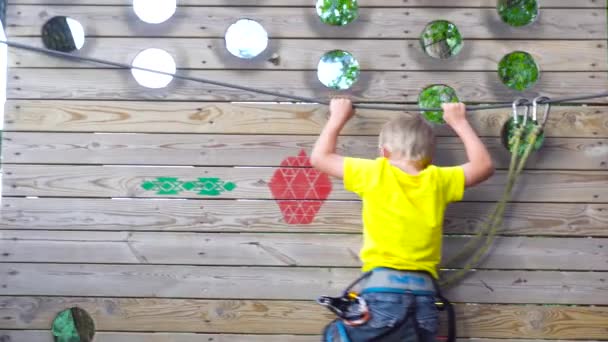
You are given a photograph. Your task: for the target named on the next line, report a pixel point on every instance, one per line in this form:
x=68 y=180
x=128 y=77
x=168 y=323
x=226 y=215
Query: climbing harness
x=398 y=108
x=352 y=310
x=349 y=307
x=527 y=130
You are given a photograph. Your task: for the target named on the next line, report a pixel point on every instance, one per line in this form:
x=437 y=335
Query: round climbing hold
x=246 y=39
x=508 y=129
x=154 y=11
x=63 y=34
x=337 y=12
x=518 y=70
x=153 y=59
x=441 y=39
x=338 y=70
x=518 y=13
x=432 y=97
x=73 y=325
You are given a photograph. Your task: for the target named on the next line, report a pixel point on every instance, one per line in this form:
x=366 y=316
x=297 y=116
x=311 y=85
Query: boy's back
x=402 y=213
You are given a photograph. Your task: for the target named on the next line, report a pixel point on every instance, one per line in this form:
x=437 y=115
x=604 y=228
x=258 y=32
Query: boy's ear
x=384 y=152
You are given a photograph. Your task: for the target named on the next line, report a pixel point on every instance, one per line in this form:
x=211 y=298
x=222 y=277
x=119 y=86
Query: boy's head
x=408 y=137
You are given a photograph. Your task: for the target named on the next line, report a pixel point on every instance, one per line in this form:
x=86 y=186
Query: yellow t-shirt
x=402 y=213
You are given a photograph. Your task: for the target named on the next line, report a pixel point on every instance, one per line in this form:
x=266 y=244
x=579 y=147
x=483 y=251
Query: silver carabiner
x=517 y=104
x=540 y=101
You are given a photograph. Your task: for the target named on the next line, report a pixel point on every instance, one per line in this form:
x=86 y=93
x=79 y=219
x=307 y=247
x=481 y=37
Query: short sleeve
x=357 y=174
x=452 y=181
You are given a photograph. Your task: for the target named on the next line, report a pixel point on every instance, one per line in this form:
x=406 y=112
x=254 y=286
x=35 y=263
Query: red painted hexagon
x=299 y=189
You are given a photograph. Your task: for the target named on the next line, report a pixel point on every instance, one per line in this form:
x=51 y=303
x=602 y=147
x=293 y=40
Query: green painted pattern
x=202 y=186
x=518 y=13
x=338 y=12
x=441 y=39
x=432 y=97
x=518 y=70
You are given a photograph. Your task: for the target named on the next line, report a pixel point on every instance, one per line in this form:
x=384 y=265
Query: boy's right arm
x=479 y=167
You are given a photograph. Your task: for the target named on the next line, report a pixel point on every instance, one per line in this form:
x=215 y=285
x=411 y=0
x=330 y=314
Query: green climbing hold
x=432 y=97
x=337 y=12
x=518 y=13
x=508 y=131
x=73 y=325
x=441 y=39
x=518 y=70
x=338 y=70
x=63 y=34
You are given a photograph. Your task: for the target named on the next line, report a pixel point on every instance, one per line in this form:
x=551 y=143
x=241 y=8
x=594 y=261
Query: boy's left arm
x=324 y=157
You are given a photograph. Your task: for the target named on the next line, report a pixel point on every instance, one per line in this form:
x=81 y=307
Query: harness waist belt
x=396 y=281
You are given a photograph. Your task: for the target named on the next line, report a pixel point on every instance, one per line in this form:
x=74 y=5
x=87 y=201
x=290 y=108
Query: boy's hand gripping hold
x=480 y=166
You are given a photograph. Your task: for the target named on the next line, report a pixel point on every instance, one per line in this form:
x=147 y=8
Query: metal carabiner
x=540 y=101
x=521 y=102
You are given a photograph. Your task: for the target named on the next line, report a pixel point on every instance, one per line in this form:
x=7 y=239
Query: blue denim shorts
x=394 y=317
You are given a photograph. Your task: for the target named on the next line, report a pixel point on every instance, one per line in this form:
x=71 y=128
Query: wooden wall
x=79 y=229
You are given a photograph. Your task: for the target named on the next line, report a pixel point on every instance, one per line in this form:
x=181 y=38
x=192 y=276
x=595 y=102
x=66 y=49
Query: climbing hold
x=441 y=39
x=337 y=12
x=153 y=59
x=518 y=70
x=73 y=325
x=338 y=70
x=518 y=13
x=63 y=34
x=432 y=97
x=246 y=39
x=154 y=11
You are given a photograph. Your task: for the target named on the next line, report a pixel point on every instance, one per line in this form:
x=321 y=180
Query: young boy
x=404 y=198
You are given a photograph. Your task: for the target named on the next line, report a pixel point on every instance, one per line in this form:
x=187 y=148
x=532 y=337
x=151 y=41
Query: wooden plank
x=253 y=183
x=139 y=281
x=302 y=22
x=183 y=117
x=44 y=336
x=561 y=219
x=258 y=150
x=395 y=86
x=292 y=317
x=323 y=250
x=304 y=54
x=298 y=3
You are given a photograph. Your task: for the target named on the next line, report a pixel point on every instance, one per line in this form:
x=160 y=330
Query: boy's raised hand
x=454 y=113
x=340 y=110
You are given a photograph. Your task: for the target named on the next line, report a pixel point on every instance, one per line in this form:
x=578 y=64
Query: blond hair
x=410 y=137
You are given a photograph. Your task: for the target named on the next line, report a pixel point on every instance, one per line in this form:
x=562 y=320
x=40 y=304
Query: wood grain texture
x=298 y=3
x=304 y=54
x=263 y=150
x=293 y=317
x=106 y=336
x=379 y=86
x=264 y=216
x=253 y=183
x=303 y=22
x=224 y=118
x=137 y=281
x=320 y=250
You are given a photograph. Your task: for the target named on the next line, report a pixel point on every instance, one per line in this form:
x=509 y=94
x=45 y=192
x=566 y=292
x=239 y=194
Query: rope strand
x=78 y=58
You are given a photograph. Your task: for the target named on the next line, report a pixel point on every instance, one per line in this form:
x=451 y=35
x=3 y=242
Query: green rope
x=490 y=229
